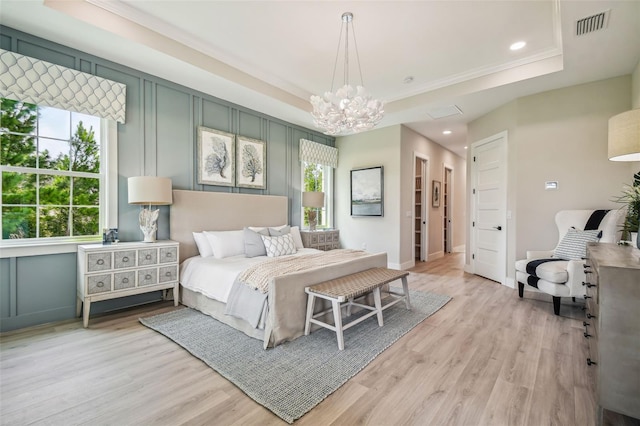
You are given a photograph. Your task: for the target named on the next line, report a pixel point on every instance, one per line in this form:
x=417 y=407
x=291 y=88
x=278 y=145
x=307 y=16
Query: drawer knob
x=169 y=254
x=125 y=280
x=125 y=259
x=589 y=362
x=148 y=257
x=584 y=323
x=588 y=297
x=586 y=335
x=147 y=277
x=589 y=316
x=167 y=274
x=591 y=285
x=100 y=284
x=100 y=262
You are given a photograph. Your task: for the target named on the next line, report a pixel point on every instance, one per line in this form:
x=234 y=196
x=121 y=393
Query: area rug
x=292 y=378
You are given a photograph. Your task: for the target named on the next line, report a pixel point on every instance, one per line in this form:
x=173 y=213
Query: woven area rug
x=292 y=378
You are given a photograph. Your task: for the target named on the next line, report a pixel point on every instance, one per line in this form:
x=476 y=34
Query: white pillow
x=225 y=243
x=297 y=238
x=203 y=244
x=279 y=246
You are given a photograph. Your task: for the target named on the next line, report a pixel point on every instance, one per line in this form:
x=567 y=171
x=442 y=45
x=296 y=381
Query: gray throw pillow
x=280 y=232
x=253 y=244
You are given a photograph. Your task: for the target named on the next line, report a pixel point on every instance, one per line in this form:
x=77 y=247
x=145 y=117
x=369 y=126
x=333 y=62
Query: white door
x=489 y=207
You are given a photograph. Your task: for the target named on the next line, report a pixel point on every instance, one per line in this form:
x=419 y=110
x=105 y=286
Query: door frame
x=424 y=244
x=448 y=204
x=503 y=138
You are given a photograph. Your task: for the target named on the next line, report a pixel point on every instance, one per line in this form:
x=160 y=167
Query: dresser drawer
x=98 y=283
x=124 y=259
x=147 y=257
x=168 y=273
x=99 y=261
x=147 y=276
x=122 y=280
x=336 y=237
x=168 y=254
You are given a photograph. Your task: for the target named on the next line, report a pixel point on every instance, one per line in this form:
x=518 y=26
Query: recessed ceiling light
x=518 y=45
x=446 y=132
x=465 y=147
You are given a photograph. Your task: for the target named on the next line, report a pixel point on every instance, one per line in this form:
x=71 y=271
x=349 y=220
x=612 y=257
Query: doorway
x=420 y=210
x=447 y=198
x=488 y=202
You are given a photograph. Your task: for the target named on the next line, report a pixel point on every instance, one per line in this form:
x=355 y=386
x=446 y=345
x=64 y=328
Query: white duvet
x=214 y=277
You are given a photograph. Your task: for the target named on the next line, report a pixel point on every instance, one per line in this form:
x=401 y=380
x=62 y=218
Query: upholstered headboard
x=195 y=211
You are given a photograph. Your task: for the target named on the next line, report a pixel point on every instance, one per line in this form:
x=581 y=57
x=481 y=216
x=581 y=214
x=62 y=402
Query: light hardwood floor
x=486 y=358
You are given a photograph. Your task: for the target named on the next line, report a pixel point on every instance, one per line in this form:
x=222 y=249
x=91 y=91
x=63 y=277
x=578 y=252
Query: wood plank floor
x=486 y=358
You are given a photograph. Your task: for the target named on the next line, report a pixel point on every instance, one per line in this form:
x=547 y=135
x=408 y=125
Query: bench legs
x=337 y=320
x=378 y=305
x=311 y=299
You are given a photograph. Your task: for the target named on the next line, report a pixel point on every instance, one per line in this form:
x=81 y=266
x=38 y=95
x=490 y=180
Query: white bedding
x=214 y=277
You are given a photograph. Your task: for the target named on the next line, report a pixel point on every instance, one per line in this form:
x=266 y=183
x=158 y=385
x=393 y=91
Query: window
x=52 y=173
x=319 y=178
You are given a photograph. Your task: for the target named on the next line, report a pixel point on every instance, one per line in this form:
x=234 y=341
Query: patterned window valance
x=42 y=83
x=317 y=153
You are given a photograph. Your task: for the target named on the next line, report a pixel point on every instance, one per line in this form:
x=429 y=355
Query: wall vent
x=592 y=23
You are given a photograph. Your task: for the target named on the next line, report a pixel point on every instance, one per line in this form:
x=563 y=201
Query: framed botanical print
x=367 y=192
x=216 y=157
x=435 y=194
x=251 y=163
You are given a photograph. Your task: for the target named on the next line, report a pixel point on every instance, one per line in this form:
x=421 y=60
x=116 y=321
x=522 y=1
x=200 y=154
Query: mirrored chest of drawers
x=321 y=240
x=118 y=270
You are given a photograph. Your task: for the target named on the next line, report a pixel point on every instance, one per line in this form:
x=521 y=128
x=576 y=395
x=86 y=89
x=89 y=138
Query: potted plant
x=631 y=199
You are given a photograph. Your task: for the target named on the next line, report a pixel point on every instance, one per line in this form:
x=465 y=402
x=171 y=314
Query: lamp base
x=148 y=219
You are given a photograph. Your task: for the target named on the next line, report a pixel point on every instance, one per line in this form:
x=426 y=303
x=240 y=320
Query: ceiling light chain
x=348 y=110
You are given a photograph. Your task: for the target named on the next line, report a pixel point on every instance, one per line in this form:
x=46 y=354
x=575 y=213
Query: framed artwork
x=367 y=187
x=251 y=163
x=216 y=157
x=436 y=194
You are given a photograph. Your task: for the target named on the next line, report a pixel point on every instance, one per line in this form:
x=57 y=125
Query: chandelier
x=347 y=110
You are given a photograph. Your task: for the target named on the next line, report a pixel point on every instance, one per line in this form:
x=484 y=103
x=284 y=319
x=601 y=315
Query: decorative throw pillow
x=253 y=244
x=574 y=244
x=279 y=246
x=280 y=230
x=226 y=243
x=203 y=245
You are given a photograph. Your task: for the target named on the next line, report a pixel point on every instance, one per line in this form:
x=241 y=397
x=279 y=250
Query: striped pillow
x=574 y=244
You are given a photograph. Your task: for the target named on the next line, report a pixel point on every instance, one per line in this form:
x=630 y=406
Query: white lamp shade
x=624 y=136
x=313 y=199
x=150 y=190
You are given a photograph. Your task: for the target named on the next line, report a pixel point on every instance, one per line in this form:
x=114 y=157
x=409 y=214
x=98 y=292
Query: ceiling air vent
x=592 y=23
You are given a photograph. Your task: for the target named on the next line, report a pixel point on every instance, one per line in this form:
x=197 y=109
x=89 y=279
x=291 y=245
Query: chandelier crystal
x=347 y=110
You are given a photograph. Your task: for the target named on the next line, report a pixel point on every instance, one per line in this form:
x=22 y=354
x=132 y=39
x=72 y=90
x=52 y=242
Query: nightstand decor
x=150 y=191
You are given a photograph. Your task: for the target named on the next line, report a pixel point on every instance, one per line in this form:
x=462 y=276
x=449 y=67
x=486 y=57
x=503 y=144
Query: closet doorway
x=420 y=210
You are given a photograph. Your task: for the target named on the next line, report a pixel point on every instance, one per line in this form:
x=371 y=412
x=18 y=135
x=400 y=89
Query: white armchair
x=547 y=272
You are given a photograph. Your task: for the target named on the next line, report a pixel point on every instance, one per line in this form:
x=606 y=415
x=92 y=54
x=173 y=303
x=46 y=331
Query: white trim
x=510 y=282
x=450 y=197
x=425 y=206
x=407 y=265
x=42 y=248
x=110 y=127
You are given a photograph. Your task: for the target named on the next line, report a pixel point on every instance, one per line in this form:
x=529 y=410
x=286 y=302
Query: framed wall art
x=367 y=191
x=436 y=193
x=216 y=157
x=251 y=163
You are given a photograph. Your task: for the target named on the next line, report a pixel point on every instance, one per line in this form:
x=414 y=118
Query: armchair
x=560 y=272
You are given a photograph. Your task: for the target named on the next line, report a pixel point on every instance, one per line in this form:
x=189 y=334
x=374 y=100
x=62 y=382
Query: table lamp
x=149 y=191
x=314 y=201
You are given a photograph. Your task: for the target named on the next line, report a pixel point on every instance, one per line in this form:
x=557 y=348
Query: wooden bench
x=346 y=289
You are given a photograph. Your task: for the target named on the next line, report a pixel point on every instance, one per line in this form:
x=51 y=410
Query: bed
x=284 y=319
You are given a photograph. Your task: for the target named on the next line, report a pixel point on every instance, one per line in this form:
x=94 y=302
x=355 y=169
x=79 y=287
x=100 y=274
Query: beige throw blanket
x=259 y=275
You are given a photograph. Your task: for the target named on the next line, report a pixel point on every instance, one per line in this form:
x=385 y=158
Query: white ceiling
x=270 y=56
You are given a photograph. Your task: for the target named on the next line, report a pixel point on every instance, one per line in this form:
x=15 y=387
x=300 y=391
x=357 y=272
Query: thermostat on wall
x=551 y=185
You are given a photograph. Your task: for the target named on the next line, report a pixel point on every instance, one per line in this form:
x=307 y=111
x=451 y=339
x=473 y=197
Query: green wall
x=158 y=138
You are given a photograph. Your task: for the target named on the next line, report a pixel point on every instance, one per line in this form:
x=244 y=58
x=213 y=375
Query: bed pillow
x=203 y=244
x=279 y=245
x=297 y=238
x=225 y=243
x=253 y=244
x=574 y=244
x=279 y=230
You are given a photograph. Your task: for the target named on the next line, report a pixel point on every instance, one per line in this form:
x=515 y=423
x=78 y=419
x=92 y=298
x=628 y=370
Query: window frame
x=328 y=189
x=108 y=199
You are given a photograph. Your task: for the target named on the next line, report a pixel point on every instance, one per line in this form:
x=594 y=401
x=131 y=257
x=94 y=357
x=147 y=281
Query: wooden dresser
x=119 y=270
x=321 y=240
x=612 y=326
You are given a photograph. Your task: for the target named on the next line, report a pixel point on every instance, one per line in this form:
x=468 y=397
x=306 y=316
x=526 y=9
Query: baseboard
x=407 y=265
x=510 y=282
x=436 y=255
x=459 y=249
